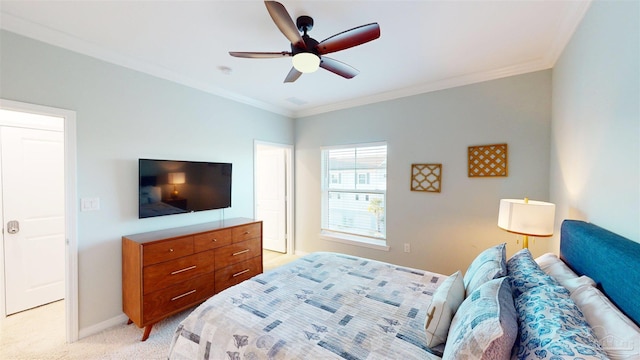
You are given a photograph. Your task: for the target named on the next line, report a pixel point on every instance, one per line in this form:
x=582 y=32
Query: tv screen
x=169 y=187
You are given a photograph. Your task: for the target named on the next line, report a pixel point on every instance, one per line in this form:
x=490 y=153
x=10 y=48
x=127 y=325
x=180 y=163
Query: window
x=354 y=207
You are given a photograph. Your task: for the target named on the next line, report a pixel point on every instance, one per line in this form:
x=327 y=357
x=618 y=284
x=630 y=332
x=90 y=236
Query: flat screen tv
x=169 y=187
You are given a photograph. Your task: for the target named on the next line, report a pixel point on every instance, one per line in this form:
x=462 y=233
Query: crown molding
x=537 y=65
x=566 y=31
x=57 y=38
x=66 y=41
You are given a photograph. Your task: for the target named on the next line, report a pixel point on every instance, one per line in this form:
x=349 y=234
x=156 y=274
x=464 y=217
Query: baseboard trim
x=94 y=329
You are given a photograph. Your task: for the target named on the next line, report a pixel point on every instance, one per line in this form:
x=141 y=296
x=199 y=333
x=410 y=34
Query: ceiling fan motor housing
x=311 y=46
x=304 y=23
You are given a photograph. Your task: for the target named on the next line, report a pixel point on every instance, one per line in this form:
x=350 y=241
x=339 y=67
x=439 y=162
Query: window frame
x=379 y=243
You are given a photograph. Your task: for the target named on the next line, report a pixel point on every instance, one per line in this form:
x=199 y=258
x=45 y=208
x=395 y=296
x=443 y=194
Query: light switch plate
x=90 y=204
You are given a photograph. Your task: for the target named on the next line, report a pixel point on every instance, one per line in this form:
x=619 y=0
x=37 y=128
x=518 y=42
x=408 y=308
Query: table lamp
x=527 y=217
x=176 y=178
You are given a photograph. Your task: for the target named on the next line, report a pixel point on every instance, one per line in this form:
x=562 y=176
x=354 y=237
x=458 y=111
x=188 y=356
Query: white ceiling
x=424 y=45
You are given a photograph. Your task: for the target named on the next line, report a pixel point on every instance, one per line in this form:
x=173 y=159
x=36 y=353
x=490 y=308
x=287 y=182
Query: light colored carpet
x=272 y=259
x=38 y=334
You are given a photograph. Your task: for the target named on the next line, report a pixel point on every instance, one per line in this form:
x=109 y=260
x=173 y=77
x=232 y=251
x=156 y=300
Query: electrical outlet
x=407 y=247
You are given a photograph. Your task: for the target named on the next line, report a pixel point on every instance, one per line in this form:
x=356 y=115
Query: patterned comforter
x=322 y=306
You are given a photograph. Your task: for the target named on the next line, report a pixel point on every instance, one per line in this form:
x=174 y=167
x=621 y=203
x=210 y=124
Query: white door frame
x=288 y=150
x=71 y=211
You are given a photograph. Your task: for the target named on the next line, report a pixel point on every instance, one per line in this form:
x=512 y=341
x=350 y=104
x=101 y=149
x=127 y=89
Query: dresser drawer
x=159 y=304
x=167 y=271
x=159 y=276
x=167 y=250
x=237 y=252
x=246 y=232
x=212 y=240
x=236 y=273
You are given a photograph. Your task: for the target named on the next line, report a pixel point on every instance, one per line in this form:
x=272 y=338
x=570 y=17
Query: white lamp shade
x=535 y=218
x=176 y=178
x=306 y=62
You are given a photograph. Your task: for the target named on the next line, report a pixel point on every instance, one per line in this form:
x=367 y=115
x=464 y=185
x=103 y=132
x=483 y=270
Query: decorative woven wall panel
x=426 y=177
x=488 y=160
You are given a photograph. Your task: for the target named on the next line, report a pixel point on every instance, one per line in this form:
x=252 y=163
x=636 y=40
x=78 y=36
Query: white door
x=271 y=196
x=33 y=199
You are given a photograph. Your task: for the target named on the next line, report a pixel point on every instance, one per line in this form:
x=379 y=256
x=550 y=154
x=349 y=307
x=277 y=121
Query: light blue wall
x=595 y=143
x=446 y=230
x=123 y=115
x=590 y=152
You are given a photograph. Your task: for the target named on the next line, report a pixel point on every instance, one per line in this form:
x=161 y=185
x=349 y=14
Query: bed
x=150 y=203
x=336 y=306
x=157 y=209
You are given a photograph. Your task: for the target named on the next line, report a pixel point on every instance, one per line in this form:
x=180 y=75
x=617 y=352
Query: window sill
x=354 y=240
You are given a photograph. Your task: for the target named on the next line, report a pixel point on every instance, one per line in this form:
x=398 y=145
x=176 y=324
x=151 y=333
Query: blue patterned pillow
x=485 y=325
x=550 y=326
x=489 y=264
x=524 y=273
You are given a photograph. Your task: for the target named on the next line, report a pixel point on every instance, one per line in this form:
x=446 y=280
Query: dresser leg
x=129 y=322
x=147 y=331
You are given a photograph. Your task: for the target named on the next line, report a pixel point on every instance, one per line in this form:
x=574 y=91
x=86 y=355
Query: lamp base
x=525 y=241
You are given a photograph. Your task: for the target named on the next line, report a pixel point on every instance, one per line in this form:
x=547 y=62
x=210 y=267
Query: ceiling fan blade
x=338 y=67
x=293 y=75
x=350 y=38
x=259 y=55
x=284 y=22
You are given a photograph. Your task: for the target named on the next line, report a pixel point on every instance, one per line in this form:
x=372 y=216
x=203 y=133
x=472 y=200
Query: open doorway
x=45 y=139
x=273 y=192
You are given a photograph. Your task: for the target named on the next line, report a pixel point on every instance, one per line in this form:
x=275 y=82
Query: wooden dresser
x=167 y=271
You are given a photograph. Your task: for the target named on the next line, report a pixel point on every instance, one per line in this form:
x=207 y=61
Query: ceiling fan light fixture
x=306 y=62
x=309 y=54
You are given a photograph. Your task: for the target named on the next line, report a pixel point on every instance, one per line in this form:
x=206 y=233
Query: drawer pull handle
x=241 y=272
x=182 y=270
x=240 y=252
x=247 y=232
x=183 y=295
x=171 y=250
x=214 y=239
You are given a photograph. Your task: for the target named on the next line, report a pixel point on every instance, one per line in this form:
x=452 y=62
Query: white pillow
x=554 y=266
x=617 y=334
x=573 y=284
x=547 y=259
x=150 y=194
x=444 y=304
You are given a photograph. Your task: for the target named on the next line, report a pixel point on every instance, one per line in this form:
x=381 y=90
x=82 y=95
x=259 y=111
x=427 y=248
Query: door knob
x=13 y=227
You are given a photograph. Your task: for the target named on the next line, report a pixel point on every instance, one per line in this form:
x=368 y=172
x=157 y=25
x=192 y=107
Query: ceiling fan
x=308 y=54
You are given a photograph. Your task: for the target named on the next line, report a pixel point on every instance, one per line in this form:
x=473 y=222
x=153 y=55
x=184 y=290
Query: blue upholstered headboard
x=611 y=260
